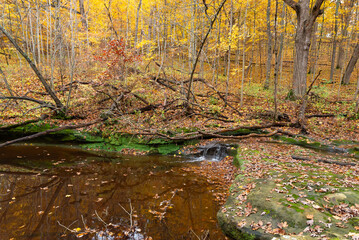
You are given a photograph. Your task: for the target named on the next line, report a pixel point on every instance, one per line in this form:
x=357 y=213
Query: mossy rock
x=274 y=207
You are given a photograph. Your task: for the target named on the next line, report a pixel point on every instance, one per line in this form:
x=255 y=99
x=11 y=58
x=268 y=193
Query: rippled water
x=79 y=185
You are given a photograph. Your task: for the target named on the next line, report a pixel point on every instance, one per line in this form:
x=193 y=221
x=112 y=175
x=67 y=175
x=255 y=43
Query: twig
x=130 y=214
x=68 y=229
x=101 y=219
x=195 y=234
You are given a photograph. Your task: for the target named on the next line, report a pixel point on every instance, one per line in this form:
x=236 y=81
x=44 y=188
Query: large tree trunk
x=306 y=18
x=351 y=65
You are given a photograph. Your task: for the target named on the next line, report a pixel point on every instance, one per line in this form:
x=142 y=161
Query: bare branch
x=316 y=11
x=45 y=104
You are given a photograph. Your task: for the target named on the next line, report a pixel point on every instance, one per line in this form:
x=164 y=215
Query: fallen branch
x=319 y=115
x=324 y=161
x=36 y=135
x=42 y=103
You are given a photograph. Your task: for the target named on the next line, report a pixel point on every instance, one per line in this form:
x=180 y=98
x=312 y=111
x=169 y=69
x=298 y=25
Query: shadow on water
x=65 y=185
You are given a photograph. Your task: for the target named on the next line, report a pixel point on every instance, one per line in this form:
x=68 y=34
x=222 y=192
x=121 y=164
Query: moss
x=168 y=148
x=354 y=221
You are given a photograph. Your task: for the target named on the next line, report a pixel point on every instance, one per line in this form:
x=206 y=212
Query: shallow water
x=79 y=185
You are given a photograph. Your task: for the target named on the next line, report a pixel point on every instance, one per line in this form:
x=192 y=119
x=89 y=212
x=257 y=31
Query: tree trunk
x=348 y=5
x=313 y=51
x=334 y=50
x=137 y=17
x=351 y=65
x=306 y=18
x=229 y=48
x=83 y=14
x=269 y=48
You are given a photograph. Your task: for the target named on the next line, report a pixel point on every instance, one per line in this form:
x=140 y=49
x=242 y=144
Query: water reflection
x=78 y=185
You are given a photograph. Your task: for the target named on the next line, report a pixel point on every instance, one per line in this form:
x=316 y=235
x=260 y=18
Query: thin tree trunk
x=313 y=52
x=229 y=49
x=334 y=50
x=52 y=94
x=277 y=61
x=269 y=48
x=200 y=50
x=137 y=17
x=350 y=67
x=83 y=14
x=348 y=4
x=244 y=54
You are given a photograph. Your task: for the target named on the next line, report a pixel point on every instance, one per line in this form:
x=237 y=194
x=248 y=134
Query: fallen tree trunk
x=324 y=161
x=36 y=135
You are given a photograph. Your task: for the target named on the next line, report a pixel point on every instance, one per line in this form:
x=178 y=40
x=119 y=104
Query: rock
x=336 y=197
x=271 y=208
x=212 y=152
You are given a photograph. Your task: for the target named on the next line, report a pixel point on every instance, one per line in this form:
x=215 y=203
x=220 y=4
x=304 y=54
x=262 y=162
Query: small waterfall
x=212 y=152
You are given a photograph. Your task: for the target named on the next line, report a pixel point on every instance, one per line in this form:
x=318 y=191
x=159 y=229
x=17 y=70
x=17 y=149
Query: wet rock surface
x=213 y=151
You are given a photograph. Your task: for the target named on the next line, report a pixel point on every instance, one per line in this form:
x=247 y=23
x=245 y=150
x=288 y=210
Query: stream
x=45 y=189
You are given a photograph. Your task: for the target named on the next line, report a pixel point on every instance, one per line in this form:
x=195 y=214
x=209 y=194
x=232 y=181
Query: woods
x=212 y=60
x=239 y=116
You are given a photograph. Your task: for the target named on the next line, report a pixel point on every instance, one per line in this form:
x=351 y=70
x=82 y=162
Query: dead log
x=324 y=161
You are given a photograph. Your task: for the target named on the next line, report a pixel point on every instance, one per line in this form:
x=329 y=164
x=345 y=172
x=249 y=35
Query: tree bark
x=306 y=18
x=351 y=65
x=269 y=48
x=348 y=5
x=334 y=49
x=83 y=14
x=137 y=17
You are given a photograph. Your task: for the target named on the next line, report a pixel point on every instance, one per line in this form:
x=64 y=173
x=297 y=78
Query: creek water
x=42 y=187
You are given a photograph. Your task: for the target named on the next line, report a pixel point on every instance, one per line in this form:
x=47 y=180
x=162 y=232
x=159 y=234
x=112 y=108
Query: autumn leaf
x=283 y=225
x=309 y=216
